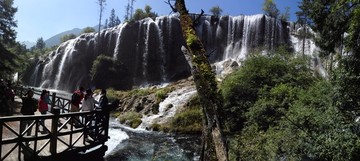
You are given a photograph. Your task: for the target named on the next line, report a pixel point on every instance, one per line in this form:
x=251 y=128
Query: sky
x=46 y=18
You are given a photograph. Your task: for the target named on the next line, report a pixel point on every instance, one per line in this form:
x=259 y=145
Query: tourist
x=29 y=106
x=43 y=107
x=88 y=105
x=103 y=101
x=76 y=99
x=89 y=101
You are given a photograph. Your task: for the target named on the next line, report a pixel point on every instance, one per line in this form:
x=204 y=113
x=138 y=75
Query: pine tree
x=112 y=19
x=40 y=43
x=7 y=22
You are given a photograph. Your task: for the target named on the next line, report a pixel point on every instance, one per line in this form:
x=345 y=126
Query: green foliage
x=7 y=22
x=188 y=121
x=260 y=73
x=40 y=43
x=270 y=9
x=285 y=112
x=141 y=14
x=113 y=19
x=85 y=30
x=161 y=94
x=67 y=37
x=107 y=72
x=133 y=119
x=285 y=16
x=216 y=11
x=8 y=63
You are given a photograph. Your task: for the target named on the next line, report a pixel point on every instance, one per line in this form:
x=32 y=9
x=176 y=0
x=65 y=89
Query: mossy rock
x=135 y=123
x=155 y=127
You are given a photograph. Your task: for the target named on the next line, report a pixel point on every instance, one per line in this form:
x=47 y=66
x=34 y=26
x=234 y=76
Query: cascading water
x=35 y=75
x=168 y=107
x=118 y=41
x=68 y=50
x=149 y=52
x=146 y=49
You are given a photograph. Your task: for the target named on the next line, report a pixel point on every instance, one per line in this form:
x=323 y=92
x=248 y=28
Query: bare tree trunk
x=206 y=86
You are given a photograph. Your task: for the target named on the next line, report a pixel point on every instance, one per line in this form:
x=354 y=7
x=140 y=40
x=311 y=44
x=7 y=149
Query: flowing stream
x=128 y=144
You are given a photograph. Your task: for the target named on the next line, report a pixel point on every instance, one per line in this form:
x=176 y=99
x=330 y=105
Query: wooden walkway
x=61 y=137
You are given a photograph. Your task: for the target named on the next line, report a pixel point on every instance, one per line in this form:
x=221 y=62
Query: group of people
x=30 y=105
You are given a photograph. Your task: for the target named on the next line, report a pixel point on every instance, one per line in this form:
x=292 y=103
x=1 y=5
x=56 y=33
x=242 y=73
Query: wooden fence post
x=53 y=99
x=54 y=127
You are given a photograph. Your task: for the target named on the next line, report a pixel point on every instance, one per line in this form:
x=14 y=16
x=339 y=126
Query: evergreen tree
x=40 y=43
x=7 y=22
x=117 y=21
x=67 y=37
x=88 y=30
x=216 y=11
x=270 y=9
x=141 y=14
x=112 y=19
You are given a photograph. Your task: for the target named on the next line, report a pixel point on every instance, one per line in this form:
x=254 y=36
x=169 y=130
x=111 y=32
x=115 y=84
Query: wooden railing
x=60 y=135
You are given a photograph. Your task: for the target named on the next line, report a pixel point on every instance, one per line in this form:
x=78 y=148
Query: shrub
x=188 y=121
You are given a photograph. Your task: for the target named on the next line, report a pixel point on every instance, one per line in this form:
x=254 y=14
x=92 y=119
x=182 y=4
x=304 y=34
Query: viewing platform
x=60 y=139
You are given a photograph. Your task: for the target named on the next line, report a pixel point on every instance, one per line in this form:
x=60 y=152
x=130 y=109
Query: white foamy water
x=116 y=136
x=168 y=107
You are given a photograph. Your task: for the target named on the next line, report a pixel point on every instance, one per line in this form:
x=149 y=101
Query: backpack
x=75 y=98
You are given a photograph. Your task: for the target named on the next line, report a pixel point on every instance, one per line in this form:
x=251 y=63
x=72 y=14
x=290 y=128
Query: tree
x=285 y=16
x=112 y=19
x=331 y=20
x=206 y=86
x=138 y=15
x=141 y=14
x=40 y=43
x=102 y=6
x=7 y=62
x=88 y=30
x=270 y=9
x=67 y=37
x=7 y=22
x=117 y=21
x=216 y=11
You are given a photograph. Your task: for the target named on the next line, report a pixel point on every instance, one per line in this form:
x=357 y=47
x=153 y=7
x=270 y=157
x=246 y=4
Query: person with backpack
x=76 y=99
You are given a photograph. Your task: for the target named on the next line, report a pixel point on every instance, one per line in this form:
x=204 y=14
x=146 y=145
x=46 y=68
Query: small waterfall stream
x=168 y=107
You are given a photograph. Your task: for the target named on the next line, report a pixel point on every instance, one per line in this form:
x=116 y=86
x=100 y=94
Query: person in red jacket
x=43 y=107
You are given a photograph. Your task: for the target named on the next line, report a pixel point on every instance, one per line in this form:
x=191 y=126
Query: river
x=128 y=144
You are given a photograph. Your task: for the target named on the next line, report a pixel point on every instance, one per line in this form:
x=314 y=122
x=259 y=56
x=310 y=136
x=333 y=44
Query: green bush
x=133 y=119
x=188 y=121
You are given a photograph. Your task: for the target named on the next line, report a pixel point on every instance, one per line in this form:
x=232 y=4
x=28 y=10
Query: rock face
x=149 y=52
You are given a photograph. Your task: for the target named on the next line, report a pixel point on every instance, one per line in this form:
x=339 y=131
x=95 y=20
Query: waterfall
x=159 y=23
x=68 y=50
x=147 y=22
x=118 y=41
x=35 y=75
x=149 y=51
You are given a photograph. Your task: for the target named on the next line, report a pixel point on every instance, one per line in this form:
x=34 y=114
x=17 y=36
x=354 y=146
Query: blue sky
x=45 y=18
